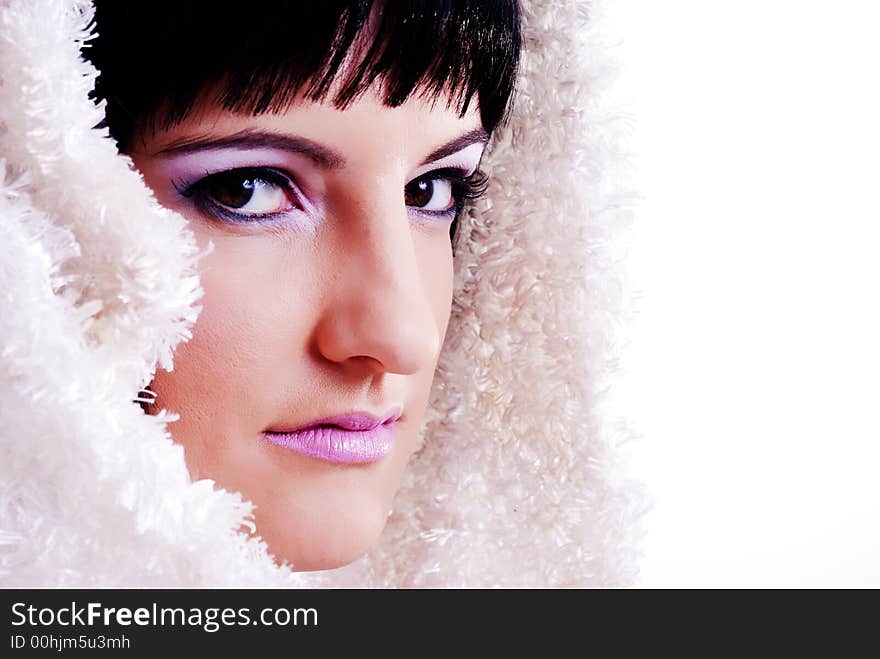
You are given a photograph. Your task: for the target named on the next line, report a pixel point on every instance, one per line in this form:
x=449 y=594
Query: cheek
x=437 y=269
x=226 y=380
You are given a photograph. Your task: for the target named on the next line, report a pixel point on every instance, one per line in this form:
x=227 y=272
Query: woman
x=322 y=379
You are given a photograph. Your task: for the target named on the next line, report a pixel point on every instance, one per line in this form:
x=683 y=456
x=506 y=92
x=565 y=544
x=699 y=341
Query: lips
x=352 y=438
x=351 y=421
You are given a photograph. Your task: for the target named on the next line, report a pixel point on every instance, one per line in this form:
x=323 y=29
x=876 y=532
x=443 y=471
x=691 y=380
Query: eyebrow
x=323 y=156
x=454 y=146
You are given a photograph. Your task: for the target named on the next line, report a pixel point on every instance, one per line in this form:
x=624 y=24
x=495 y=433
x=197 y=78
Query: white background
x=754 y=364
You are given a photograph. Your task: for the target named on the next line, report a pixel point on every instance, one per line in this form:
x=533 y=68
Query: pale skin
x=342 y=305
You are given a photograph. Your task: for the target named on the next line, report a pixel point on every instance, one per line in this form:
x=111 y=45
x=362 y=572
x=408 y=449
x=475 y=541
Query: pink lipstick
x=348 y=438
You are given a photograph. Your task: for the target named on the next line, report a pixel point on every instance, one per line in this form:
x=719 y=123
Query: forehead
x=367 y=127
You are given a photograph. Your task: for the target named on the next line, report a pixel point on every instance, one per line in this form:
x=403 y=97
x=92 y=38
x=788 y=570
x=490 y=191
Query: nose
x=378 y=311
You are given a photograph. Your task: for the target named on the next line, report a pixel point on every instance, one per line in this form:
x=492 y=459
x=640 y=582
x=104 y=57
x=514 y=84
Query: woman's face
x=327 y=293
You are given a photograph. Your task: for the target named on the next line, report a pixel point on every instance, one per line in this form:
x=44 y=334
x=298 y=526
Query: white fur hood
x=93 y=492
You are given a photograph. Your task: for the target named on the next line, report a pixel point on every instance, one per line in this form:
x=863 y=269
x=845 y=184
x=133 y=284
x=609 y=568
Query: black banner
x=414 y=621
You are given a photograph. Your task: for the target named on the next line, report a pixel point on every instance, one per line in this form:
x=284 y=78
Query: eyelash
x=465 y=188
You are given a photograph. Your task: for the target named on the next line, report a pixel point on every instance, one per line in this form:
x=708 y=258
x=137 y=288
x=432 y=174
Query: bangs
x=259 y=56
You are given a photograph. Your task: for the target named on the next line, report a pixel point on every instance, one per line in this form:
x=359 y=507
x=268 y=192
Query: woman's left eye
x=444 y=192
x=435 y=195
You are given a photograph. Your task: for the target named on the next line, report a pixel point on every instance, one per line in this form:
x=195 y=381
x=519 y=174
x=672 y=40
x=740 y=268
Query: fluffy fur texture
x=517 y=481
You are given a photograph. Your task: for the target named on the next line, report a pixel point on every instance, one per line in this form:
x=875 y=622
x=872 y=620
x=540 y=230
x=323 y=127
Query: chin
x=323 y=541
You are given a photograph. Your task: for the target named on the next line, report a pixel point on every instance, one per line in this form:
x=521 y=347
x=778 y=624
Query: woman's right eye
x=249 y=193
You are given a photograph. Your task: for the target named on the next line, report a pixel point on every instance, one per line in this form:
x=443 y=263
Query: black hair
x=162 y=54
